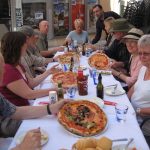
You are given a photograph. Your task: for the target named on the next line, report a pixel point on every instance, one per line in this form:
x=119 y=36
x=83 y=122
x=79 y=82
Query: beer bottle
x=71 y=64
x=60 y=92
x=83 y=49
x=67 y=46
x=100 y=88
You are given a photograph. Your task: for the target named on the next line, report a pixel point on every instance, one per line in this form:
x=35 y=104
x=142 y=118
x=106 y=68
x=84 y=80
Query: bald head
x=43 y=27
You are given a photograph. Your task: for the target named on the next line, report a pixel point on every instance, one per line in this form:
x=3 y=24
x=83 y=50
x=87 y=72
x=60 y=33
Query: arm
x=20 y=88
x=99 y=27
x=130 y=92
x=29 y=112
x=33 y=82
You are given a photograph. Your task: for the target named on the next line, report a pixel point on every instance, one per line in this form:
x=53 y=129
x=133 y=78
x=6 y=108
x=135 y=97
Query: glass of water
x=121 y=111
x=71 y=91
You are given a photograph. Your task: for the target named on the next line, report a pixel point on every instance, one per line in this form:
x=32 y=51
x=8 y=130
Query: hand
x=53 y=69
x=114 y=72
x=55 y=107
x=31 y=141
x=68 y=40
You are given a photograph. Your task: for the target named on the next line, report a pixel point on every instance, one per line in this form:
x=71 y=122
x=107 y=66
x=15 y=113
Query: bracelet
x=48 y=110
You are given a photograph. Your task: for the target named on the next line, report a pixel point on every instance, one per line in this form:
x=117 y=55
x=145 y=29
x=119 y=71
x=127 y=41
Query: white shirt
x=141 y=95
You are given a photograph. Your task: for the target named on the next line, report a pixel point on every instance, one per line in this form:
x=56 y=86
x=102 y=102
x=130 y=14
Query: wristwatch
x=138 y=110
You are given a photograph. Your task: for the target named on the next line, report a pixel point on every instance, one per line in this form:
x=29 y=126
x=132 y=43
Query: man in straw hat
x=118 y=51
x=134 y=65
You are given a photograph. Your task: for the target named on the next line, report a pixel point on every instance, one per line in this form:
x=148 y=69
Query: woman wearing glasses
x=140 y=92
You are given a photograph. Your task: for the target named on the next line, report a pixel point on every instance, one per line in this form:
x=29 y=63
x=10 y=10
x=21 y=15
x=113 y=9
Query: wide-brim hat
x=134 y=33
x=27 y=30
x=121 y=25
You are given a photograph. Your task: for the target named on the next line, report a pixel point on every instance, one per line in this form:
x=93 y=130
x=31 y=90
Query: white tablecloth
x=60 y=138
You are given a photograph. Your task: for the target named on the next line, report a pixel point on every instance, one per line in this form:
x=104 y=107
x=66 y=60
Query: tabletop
x=60 y=138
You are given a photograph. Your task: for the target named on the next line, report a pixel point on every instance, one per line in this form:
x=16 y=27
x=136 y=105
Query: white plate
x=44 y=137
x=121 y=147
x=110 y=91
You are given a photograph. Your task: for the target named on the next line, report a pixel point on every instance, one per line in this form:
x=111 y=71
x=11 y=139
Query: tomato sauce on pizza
x=68 y=78
x=99 y=60
x=82 y=118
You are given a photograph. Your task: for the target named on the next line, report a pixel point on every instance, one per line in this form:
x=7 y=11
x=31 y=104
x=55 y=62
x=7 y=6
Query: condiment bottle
x=82 y=82
x=71 y=64
x=60 y=92
x=100 y=88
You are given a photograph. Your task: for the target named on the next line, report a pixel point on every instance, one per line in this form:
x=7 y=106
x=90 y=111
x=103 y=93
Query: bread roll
x=84 y=143
x=104 y=143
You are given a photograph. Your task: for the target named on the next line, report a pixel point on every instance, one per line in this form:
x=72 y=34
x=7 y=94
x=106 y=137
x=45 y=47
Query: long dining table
x=60 y=138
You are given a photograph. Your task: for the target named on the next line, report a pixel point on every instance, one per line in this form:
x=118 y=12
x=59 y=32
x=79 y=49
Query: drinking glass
x=121 y=111
x=71 y=91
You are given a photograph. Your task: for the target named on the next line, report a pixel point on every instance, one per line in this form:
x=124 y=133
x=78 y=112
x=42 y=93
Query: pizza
x=83 y=118
x=66 y=57
x=99 y=60
x=68 y=78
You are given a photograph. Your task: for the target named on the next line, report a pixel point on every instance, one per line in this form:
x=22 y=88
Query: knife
x=119 y=140
x=109 y=103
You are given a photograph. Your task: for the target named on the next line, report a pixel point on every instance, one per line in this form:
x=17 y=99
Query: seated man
x=118 y=50
x=42 y=42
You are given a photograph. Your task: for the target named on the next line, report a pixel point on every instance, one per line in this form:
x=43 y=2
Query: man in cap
x=118 y=50
x=101 y=16
x=42 y=42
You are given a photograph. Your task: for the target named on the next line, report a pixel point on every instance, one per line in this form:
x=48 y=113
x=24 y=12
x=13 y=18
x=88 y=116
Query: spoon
x=128 y=143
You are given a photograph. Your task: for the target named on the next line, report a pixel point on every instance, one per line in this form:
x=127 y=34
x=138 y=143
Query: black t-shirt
x=100 y=25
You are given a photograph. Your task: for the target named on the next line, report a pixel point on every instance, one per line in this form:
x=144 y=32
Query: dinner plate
x=122 y=147
x=110 y=91
x=44 y=137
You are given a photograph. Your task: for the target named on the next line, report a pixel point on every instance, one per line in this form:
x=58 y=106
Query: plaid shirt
x=6 y=108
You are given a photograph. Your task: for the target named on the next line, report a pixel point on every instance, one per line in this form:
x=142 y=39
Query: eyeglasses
x=144 y=54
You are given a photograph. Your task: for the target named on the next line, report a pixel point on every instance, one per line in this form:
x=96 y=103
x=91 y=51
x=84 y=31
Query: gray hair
x=144 y=41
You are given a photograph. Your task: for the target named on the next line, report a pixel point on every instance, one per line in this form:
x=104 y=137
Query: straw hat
x=134 y=33
x=121 y=25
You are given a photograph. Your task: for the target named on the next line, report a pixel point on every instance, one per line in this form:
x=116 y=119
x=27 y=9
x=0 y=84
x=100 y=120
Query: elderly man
x=42 y=42
x=101 y=16
x=30 y=61
x=118 y=50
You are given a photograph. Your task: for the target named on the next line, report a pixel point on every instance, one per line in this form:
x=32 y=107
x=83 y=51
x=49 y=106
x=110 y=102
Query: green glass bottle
x=100 y=88
x=71 y=64
x=60 y=92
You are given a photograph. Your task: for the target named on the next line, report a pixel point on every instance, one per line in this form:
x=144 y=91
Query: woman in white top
x=140 y=92
x=78 y=34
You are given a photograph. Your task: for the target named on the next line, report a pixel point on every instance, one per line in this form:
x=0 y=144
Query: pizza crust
x=99 y=60
x=99 y=120
x=69 y=79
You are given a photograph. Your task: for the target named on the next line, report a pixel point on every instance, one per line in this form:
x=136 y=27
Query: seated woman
x=131 y=40
x=139 y=94
x=17 y=86
x=78 y=34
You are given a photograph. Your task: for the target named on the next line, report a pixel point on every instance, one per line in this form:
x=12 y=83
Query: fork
x=128 y=143
x=114 y=90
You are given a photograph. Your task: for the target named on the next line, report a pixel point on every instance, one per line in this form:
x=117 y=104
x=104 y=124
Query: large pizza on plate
x=66 y=57
x=83 y=118
x=68 y=78
x=99 y=60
